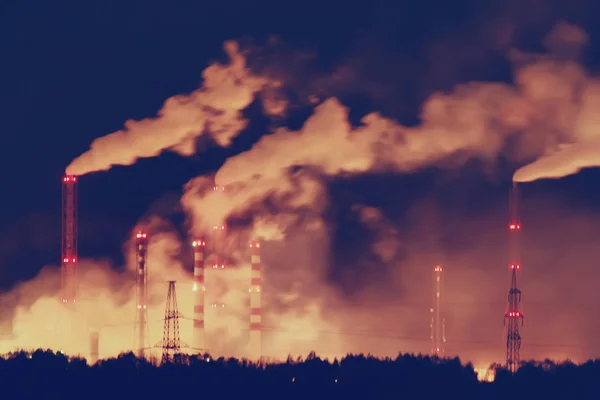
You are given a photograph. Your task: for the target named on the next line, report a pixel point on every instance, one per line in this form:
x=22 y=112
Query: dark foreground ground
x=45 y=375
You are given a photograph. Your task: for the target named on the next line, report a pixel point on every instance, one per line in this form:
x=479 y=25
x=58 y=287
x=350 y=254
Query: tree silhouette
x=44 y=374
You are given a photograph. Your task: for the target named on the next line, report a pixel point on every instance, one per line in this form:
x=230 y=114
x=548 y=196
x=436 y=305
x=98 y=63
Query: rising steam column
x=255 y=343
x=513 y=317
x=199 y=246
x=69 y=240
x=438 y=323
x=141 y=321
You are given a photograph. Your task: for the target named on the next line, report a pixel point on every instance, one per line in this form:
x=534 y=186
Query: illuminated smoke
x=580 y=144
x=478 y=119
x=567 y=161
x=552 y=103
x=106 y=303
x=580 y=151
x=214 y=110
x=282 y=183
x=280 y=186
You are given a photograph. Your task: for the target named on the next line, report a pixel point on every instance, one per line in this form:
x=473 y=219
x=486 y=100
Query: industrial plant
x=203 y=250
x=212 y=252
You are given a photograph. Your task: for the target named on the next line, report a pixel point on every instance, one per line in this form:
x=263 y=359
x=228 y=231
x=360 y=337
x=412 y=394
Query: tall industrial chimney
x=69 y=240
x=141 y=323
x=438 y=328
x=219 y=261
x=255 y=343
x=199 y=246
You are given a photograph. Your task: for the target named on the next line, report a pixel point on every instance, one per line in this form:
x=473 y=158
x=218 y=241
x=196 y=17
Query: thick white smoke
x=214 y=110
x=580 y=145
x=539 y=113
x=106 y=303
x=552 y=102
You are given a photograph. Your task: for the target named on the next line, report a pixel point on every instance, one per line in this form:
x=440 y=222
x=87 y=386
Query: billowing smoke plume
x=551 y=103
x=579 y=105
x=214 y=110
x=282 y=181
x=278 y=191
x=106 y=302
x=568 y=160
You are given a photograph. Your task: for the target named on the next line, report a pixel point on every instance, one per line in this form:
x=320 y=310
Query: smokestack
x=141 y=323
x=438 y=328
x=69 y=240
x=219 y=248
x=199 y=246
x=255 y=345
x=94 y=346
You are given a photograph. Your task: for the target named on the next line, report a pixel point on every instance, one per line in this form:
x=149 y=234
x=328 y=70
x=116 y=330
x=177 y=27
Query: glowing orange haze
x=303 y=311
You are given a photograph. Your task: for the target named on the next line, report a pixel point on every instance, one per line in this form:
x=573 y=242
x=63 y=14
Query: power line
x=375 y=335
x=556 y=307
x=415 y=339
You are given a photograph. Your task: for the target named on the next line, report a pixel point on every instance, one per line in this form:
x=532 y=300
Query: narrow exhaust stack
x=255 y=344
x=199 y=289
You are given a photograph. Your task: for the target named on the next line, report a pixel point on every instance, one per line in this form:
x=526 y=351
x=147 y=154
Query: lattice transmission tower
x=513 y=318
x=171 y=343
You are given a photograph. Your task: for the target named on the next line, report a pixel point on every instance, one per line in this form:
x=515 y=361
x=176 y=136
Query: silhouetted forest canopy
x=44 y=374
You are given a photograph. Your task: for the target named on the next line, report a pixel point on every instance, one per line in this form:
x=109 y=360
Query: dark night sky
x=71 y=71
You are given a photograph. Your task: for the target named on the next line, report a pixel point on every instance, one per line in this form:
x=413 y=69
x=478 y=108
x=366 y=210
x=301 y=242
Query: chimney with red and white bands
x=199 y=246
x=255 y=345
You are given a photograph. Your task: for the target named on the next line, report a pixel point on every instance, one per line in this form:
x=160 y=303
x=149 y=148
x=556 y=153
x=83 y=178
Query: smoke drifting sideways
x=579 y=146
x=106 y=304
x=214 y=109
x=280 y=186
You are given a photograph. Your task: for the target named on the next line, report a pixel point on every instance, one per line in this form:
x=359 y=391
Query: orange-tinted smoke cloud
x=580 y=145
x=106 y=304
x=538 y=113
x=534 y=115
x=553 y=103
x=305 y=312
x=214 y=110
x=302 y=312
x=567 y=161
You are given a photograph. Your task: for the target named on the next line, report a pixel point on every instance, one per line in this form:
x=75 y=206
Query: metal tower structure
x=438 y=322
x=171 y=343
x=255 y=342
x=141 y=320
x=69 y=240
x=199 y=289
x=513 y=318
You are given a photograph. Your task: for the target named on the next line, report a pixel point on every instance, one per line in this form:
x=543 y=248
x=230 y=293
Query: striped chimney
x=199 y=246
x=255 y=346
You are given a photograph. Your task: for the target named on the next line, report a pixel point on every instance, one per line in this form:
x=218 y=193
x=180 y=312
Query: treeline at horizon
x=44 y=373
